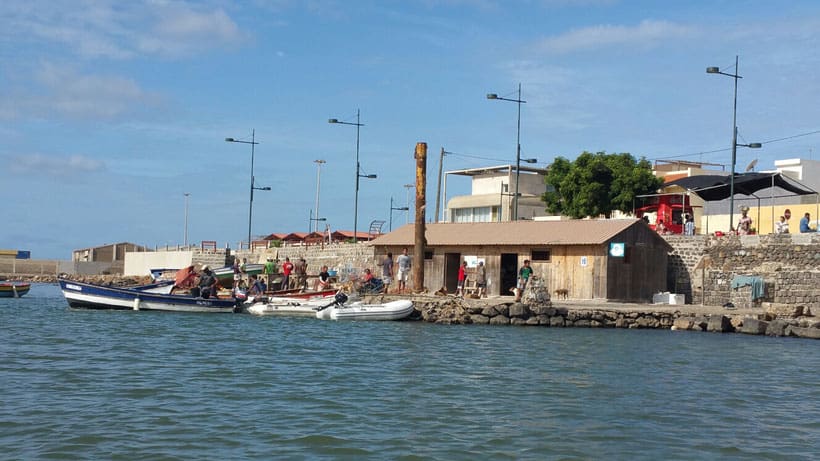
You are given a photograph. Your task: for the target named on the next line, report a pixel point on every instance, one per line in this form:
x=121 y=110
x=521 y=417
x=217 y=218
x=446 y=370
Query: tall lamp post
x=407 y=203
x=186 y=194
x=319 y=164
x=358 y=125
x=400 y=208
x=518 y=101
x=253 y=144
x=753 y=145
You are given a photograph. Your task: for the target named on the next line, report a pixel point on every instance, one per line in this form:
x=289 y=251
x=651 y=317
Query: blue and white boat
x=90 y=296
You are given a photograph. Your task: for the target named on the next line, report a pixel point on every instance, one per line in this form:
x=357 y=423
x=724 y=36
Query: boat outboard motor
x=340 y=298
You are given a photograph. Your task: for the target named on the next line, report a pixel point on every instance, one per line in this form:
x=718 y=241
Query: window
x=478 y=214
x=428 y=255
x=540 y=255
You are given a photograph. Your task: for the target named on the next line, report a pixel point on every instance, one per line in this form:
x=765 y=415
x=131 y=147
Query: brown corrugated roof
x=571 y=232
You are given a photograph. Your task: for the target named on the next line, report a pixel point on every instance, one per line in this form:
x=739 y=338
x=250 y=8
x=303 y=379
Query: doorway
x=451 y=263
x=509 y=273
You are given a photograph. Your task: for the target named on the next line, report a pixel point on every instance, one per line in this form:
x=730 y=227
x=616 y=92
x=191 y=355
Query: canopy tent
x=712 y=188
x=717 y=187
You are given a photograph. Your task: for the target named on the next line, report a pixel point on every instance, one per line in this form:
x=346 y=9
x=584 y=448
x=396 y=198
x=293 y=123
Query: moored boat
x=289 y=306
x=224 y=275
x=393 y=310
x=13 y=289
x=90 y=296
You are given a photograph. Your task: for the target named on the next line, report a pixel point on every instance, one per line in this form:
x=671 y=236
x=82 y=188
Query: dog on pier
x=562 y=293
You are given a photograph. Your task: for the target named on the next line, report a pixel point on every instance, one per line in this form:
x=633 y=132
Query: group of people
x=403 y=264
x=744 y=225
x=782 y=225
x=480 y=279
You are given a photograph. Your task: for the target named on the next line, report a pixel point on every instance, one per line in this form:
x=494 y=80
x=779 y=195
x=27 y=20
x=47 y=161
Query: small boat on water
x=13 y=289
x=341 y=310
x=146 y=297
x=224 y=275
x=289 y=306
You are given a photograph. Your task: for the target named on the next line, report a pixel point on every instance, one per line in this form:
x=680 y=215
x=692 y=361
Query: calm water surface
x=142 y=385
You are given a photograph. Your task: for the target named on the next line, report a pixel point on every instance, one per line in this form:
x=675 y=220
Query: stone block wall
x=347 y=259
x=789 y=265
x=688 y=252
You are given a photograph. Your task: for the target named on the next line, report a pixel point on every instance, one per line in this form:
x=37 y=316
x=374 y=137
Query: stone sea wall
x=703 y=268
x=457 y=311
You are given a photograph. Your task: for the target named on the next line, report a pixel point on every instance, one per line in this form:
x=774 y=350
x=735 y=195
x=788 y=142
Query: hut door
x=509 y=273
x=451 y=263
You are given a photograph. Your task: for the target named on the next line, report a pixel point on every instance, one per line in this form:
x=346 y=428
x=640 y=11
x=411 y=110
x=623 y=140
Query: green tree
x=597 y=184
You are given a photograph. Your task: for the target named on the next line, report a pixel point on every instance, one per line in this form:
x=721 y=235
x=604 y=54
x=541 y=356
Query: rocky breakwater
x=110 y=280
x=458 y=311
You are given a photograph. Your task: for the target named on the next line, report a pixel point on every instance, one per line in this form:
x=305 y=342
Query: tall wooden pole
x=421 y=240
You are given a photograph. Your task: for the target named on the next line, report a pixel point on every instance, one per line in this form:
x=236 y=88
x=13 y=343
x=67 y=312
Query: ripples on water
x=143 y=385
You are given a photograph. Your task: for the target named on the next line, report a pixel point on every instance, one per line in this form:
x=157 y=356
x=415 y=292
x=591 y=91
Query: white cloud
x=62 y=91
x=55 y=165
x=120 y=30
x=646 y=34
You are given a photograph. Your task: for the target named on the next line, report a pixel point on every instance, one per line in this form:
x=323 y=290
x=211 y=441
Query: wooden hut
x=617 y=259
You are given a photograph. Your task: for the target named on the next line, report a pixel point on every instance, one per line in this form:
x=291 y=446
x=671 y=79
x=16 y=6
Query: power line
x=729 y=148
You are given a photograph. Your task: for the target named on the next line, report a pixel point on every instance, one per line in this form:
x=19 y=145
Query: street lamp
x=186 y=194
x=407 y=203
x=319 y=164
x=316 y=220
x=253 y=144
x=518 y=101
x=400 y=208
x=358 y=125
x=753 y=145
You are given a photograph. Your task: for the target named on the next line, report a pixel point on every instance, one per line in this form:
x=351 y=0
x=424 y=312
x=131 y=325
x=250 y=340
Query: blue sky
x=110 y=111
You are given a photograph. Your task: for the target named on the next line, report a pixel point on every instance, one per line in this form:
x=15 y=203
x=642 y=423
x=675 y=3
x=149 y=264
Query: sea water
x=131 y=385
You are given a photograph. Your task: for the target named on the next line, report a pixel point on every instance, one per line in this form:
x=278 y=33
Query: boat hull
x=88 y=296
x=13 y=290
x=394 y=310
x=289 y=306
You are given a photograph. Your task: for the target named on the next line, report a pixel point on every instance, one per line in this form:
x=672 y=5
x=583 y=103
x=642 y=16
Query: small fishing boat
x=341 y=310
x=13 y=289
x=146 y=297
x=224 y=275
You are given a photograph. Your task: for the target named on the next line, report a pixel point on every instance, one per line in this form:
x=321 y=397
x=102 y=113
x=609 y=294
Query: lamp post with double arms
x=253 y=144
x=753 y=145
x=358 y=125
x=518 y=101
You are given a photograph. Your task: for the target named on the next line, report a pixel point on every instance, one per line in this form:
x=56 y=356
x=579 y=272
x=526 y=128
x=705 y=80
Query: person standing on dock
x=462 y=277
x=481 y=279
x=237 y=273
x=300 y=269
x=524 y=275
x=387 y=271
x=405 y=263
x=287 y=268
x=270 y=269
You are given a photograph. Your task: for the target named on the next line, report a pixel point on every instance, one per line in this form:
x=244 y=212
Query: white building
x=492 y=194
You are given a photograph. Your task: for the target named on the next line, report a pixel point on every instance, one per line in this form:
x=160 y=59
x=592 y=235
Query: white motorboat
x=289 y=306
x=393 y=310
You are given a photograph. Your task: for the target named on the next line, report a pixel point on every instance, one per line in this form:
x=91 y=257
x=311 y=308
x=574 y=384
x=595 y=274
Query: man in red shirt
x=462 y=276
x=287 y=268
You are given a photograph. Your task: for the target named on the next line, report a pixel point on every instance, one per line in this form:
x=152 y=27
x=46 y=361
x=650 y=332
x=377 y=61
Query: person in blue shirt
x=804 y=224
